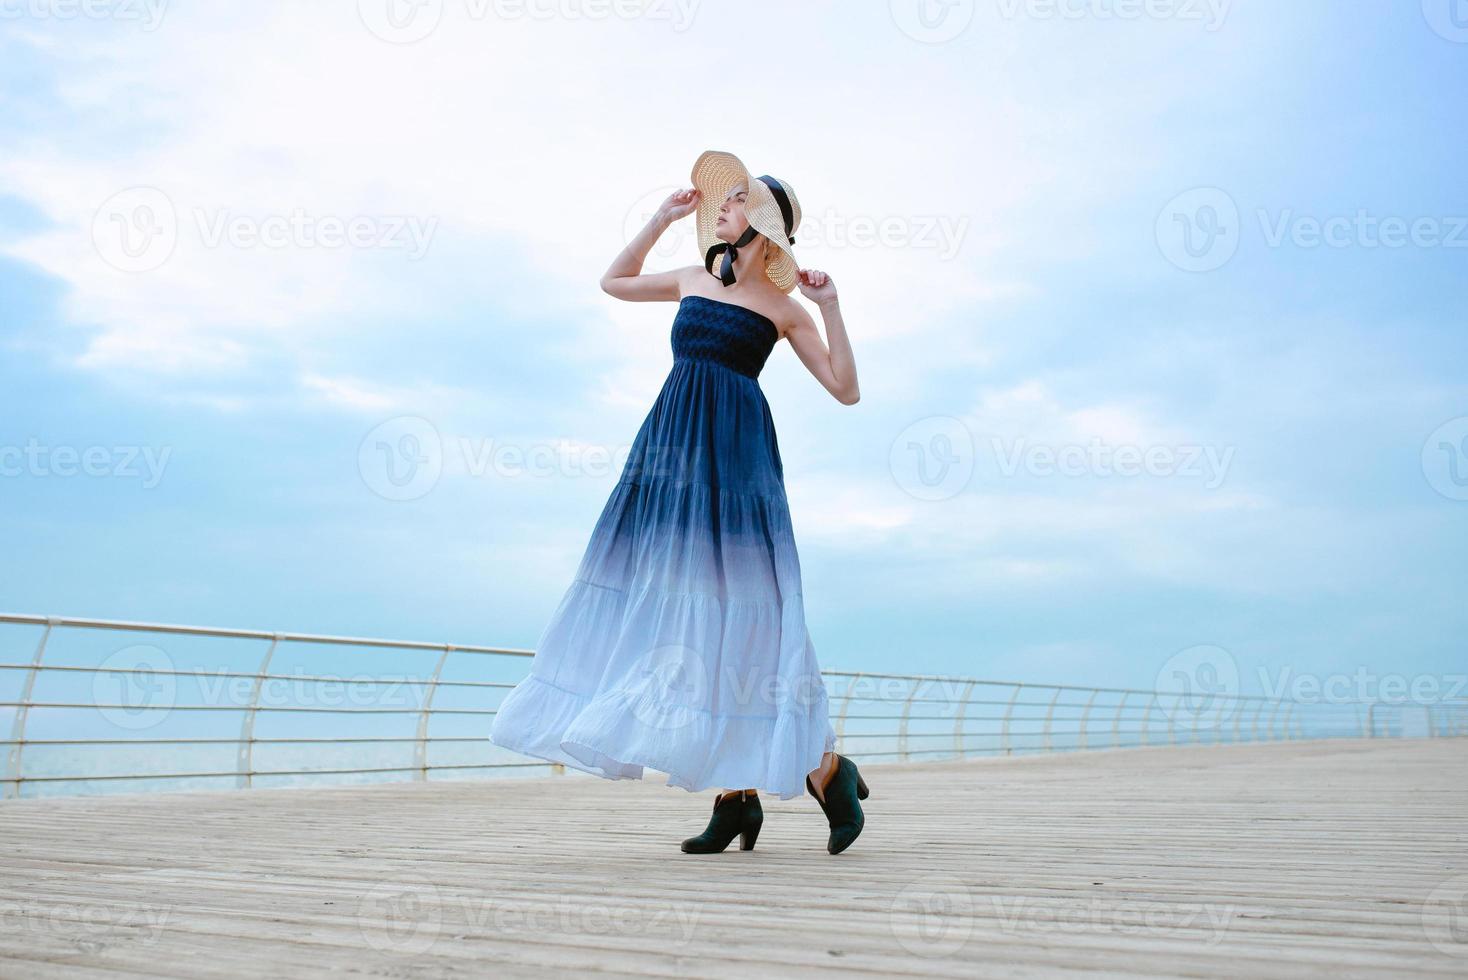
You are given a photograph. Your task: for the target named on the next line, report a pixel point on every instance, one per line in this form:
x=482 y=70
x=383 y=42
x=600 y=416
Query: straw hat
x=770 y=206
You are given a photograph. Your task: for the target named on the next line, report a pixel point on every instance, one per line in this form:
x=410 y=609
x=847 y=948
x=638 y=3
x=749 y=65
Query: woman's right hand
x=680 y=204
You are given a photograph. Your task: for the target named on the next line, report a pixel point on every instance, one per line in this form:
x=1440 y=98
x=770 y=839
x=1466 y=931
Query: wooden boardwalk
x=1338 y=859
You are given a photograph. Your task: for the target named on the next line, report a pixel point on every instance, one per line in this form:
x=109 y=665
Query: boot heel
x=754 y=819
x=861 y=788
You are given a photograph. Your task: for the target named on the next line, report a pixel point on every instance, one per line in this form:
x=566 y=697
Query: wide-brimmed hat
x=771 y=208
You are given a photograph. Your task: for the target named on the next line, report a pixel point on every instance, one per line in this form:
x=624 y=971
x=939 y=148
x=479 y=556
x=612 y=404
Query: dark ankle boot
x=841 y=805
x=734 y=814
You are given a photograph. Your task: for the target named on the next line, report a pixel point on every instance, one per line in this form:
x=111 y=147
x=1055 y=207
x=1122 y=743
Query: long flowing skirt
x=681 y=645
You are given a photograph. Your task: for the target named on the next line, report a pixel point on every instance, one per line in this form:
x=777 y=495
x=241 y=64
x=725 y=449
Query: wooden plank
x=1287 y=860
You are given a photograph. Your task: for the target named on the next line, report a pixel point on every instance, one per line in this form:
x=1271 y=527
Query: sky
x=1158 y=313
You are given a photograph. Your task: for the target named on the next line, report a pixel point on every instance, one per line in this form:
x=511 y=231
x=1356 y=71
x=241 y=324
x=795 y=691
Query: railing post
x=1116 y=721
x=1273 y=713
x=1289 y=714
x=1371 y=720
x=1238 y=718
x=958 y=740
x=15 y=767
x=1084 y=741
x=1004 y=726
x=420 y=745
x=245 y=763
x=1254 y=724
x=1146 y=726
x=846 y=706
x=1049 y=715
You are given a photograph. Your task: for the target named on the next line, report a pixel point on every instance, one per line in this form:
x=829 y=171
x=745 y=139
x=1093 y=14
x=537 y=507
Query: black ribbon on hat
x=731 y=252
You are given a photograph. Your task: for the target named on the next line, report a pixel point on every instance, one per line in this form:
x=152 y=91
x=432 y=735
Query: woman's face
x=732 y=223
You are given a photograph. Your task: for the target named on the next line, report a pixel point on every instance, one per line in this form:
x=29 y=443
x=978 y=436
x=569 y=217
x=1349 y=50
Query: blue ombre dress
x=681 y=644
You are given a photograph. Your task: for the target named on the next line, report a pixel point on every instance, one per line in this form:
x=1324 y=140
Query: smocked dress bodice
x=725 y=333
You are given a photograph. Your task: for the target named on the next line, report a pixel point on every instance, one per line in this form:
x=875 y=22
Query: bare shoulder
x=684 y=276
x=793 y=316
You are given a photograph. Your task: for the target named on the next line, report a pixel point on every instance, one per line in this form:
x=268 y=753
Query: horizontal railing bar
x=272 y=772
x=418 y=710
x=237 y=741
x=232 y=675
x=247 y=634
x=1025 y=685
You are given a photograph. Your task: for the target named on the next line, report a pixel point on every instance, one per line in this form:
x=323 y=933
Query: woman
x=681 y=645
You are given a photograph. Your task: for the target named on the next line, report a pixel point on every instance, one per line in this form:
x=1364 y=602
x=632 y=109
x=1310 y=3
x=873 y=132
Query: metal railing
x=877 y=716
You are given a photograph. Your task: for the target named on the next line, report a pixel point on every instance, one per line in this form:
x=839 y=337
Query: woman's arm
x=624 y=278
x=834 y=368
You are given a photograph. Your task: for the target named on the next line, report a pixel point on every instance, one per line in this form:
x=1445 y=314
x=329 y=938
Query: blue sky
x=1028 y=295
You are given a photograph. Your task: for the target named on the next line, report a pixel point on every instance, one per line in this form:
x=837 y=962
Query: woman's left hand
x=816 y=286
